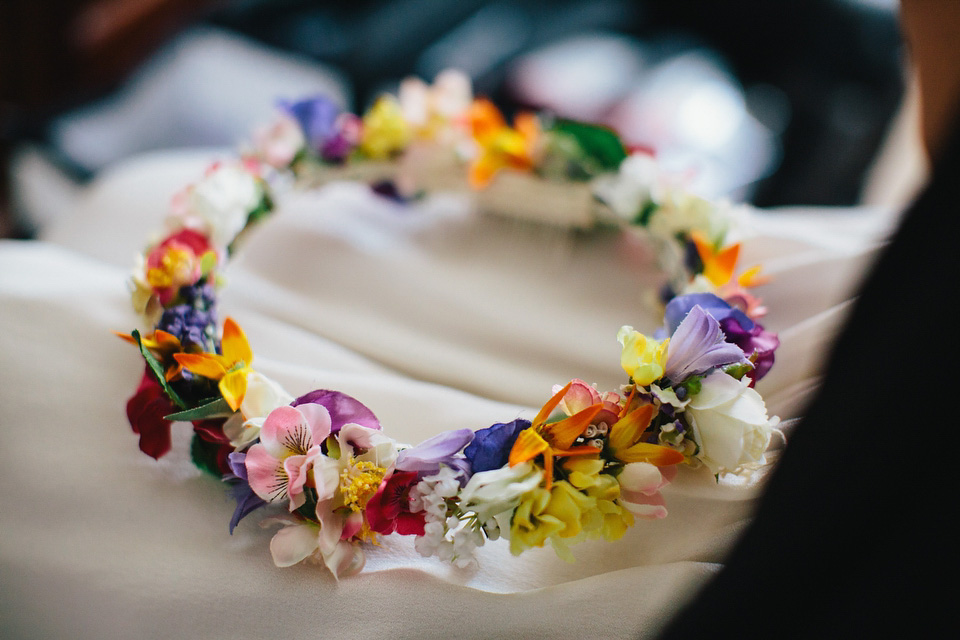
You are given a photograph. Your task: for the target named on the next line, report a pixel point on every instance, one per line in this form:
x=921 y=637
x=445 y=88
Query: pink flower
x=640 y=484
x=279 y=465
x=176 y=262
x=581 y=395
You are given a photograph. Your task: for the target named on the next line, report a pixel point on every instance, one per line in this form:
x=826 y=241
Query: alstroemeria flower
x=699 y=345
x=278 y=466
x=179 y=260
x=581 y=395
x=642 y=358
x=730 y=423
x=718 y=264
x=230 y=368
x=626 y=439
x=441 y=449
x=500 y=146
x=385 y=131
x=554 y=439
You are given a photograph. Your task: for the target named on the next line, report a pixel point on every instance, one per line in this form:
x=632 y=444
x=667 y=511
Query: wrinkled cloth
x=433 y=316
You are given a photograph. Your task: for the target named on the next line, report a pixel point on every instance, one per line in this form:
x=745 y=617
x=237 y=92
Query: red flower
x=145 y=411
x=388 y=511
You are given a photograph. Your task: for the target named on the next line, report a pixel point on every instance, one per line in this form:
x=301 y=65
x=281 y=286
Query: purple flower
x=757 y=341
x=247 y=500
x=490 y=448
x=327 y=133
x=343 y=409
x=699 y=345
x=426 y=457
x=678 y=308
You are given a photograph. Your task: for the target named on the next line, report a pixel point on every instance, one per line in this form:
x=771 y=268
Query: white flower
x=730 y=423
x=263 y=395
x=638 y=181
x=490 y=493
x=640 y=484
x=220 y=203
x=279 y=142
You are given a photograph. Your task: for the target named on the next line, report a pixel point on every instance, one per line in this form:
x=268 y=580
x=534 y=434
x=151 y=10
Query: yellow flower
x=385 y=131
x=626 y=439
x=500 y=146
x=230 y=369
x=642 y=358
x=543 y=514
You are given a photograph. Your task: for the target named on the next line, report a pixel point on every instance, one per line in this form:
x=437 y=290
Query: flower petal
x=292 y=544
x=235 y=345
x=202 y=364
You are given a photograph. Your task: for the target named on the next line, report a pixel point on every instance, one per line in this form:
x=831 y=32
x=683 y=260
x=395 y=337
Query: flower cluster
x=587 y=465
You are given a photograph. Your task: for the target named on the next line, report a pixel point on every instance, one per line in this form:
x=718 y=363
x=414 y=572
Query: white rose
x=222 y=201
x=729 y=423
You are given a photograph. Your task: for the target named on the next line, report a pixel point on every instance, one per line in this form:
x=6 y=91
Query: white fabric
x=436 y=319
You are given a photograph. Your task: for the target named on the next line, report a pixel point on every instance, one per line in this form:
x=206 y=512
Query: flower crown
x=587 y=465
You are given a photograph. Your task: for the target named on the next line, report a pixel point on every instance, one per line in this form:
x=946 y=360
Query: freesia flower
x=230 y=368
x=642 y=358
x=385 y=131
x=730 y=423
x=553 y=439
x=699 y=345
x=500 y=146
x=492 y=492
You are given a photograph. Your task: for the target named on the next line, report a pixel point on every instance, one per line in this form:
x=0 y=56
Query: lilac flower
x=699 y=345
x=442 y=449
x=343 y=409
x=240 y=490
x=490 y=448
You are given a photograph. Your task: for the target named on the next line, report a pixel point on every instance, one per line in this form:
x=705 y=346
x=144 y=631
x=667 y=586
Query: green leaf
x=158 y=372
x=218 y=408
x=643 y=217
x=600 y=144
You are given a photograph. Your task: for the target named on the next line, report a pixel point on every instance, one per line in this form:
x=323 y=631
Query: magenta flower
x=388 y=511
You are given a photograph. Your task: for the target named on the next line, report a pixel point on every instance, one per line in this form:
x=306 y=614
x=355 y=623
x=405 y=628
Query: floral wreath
x=587 y=465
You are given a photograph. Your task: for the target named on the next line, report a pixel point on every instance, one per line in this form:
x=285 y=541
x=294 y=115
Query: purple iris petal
x=756 y=341
x=678 y=308
x=343 y=409
x=699 y=345
x=490 y=448
x=240 y=490
x=426 y=457
x=317 y=117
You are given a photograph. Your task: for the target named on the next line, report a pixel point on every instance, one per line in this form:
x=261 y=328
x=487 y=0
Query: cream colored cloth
x=434 y=317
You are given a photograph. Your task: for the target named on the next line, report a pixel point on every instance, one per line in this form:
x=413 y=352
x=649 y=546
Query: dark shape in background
x=825 y=76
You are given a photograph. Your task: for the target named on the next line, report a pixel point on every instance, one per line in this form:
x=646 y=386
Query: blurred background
x=777 y=103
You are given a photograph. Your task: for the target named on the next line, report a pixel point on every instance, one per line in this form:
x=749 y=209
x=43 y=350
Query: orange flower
x=500 y=146
x=230 y=369
x=161 y=344
x=625 y=439
x=554 y=439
